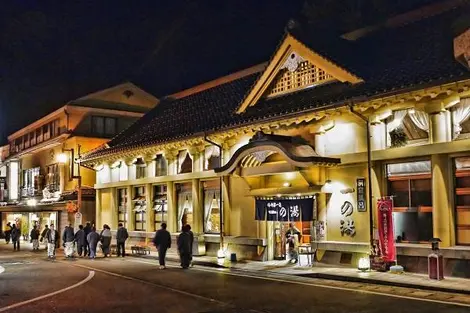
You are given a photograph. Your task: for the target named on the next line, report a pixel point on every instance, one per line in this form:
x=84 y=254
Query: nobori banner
x=285 y=210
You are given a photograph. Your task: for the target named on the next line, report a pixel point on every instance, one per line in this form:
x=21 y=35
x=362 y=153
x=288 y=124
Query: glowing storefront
x=318 y=98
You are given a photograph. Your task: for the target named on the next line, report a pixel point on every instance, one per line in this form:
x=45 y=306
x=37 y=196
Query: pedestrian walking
x=93 y=238
x=80 y=240
x=105 y=238
x=43 y=235
x=184 y=242
x=52 y=239
x=15 y=237
x=191 y=241
x=121 y=237
x=34 y=235
x=162 y=242
x=8 y=233
x=68 y=237
x=87 y=230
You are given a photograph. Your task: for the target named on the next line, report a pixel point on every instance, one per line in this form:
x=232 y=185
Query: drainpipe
x=221 y=201
x=369 y=174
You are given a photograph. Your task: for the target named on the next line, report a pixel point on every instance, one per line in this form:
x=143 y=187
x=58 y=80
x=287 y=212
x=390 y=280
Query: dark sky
x=55 y=51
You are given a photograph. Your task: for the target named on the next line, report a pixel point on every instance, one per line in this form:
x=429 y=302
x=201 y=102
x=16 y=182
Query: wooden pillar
x=378 y=136
x=443 y=225
x=198 y=214
x=130 y=209
x=225 y=188
x=113 y=223
x=98 y=208
x=320 y=143
x=62 y=178
x=378 y=188
x=149 y=213
x=440 y=127
x=172 y=207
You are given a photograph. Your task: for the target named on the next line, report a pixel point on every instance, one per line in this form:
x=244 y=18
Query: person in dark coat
x=68 y=238
x=191 y=242
x=162 y=242
x=105 y=238
x=43 y=235
x=92 y=239
x=52 y=239
x=34 y=235
x=121 y=237
x=8 y=233
x=87 y=230
x=80 y=240
x=184 y=247
x=15 y=237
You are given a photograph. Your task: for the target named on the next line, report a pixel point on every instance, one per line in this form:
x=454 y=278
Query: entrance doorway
x=300 y=235
x=289 y=223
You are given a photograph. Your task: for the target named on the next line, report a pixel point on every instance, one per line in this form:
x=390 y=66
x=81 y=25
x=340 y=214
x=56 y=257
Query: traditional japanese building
x=40 y=179
x=288 y=142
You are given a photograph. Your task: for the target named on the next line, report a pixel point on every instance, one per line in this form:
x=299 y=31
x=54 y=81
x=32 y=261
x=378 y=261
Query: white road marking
x=90 y=276
x=2 y=269
x=223 y=271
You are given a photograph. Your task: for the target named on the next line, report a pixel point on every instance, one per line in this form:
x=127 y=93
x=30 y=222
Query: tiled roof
x=392 y=60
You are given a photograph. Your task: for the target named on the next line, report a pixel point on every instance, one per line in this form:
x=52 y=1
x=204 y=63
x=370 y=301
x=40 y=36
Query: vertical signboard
x=361 y=194
x=385 y=223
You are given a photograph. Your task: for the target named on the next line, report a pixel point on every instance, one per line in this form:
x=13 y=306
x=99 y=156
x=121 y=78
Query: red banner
x=385 y=222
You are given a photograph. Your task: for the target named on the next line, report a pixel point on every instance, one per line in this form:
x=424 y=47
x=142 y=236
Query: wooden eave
x=289 y=45
x=441 y=93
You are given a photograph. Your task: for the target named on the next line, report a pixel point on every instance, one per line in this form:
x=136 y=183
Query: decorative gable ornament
x=292 y=62
x=294 y=67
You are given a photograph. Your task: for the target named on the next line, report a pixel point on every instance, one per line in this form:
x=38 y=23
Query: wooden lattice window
x=305 y=75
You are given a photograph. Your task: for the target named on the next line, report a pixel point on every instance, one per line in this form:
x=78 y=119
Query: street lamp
x=62 y=159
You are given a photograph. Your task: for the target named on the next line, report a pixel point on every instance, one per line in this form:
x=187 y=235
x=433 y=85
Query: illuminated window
x=185 y=204
x=211 y=206
x=160 y=205
x=140 y=208
x=122 y=206
x=410 y=184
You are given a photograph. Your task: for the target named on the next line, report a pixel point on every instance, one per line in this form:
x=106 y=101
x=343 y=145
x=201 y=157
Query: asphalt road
x=136 y=285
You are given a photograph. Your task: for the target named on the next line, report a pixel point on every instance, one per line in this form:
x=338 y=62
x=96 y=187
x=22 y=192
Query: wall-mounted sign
x=347 y=223
x=361 y=194
x=284 y=210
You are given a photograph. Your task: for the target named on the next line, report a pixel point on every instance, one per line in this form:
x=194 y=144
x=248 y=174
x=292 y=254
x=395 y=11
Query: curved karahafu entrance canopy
x=295 y=150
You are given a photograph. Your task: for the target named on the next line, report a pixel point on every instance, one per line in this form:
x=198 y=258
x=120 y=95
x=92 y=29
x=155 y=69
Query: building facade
x=40 y=176
x=288 y=142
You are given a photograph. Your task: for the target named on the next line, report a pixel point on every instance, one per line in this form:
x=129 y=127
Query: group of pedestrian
x=162 y=242
x=13 y=234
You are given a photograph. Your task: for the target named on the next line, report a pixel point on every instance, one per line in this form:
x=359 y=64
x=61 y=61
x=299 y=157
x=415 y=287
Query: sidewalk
x=318 y=270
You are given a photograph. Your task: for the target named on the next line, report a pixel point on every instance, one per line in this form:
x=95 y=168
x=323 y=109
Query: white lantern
x=364 y=264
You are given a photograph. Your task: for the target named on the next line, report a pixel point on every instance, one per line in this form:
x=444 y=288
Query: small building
x=287 y=142
x=40 y=169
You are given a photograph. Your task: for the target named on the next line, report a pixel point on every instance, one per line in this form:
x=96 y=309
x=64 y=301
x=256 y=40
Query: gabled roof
x=391 y=61
x=290 y=46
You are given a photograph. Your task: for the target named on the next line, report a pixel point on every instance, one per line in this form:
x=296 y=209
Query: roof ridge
x=218 y=81
x=406 y=18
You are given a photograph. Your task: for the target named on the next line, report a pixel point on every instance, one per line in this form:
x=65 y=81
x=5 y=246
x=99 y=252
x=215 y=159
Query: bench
x=140 y=250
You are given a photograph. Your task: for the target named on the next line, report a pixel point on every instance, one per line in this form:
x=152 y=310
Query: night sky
x=55 y=51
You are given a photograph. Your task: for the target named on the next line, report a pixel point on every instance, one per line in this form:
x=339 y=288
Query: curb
x=383 y=283
x=176 y=260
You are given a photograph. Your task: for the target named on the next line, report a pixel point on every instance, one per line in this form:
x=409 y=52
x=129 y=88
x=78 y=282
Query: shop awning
x=294 y=150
